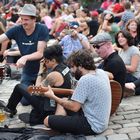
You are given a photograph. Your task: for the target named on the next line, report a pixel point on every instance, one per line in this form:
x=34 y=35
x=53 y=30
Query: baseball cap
x=94 y=13
x=101 y=37
x=74 y=24
x=29 y=10
x=118 y=8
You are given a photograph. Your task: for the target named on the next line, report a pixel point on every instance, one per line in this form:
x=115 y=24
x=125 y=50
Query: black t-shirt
x=116 y=66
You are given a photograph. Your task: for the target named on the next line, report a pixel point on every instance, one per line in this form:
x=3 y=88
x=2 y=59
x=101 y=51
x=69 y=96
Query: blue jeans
x=27 y=80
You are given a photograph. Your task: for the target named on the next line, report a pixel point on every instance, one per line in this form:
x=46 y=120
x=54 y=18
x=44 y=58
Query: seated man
x=74 y=40
x=58 y=77
x=91 y=99
x=112 y=63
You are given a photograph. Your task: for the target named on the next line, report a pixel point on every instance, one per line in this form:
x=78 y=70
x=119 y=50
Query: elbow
x=74 y=110
x=40 y=55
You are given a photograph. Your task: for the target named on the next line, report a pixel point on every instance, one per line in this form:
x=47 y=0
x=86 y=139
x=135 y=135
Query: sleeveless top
x=65 y=72
x=49 y=104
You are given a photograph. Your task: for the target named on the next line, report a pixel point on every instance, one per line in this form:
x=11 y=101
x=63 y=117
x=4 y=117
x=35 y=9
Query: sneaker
x=128 y=92
x=10 y=112
x=25 y=117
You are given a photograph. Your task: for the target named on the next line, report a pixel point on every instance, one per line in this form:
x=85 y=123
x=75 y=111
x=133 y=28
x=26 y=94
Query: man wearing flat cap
x=112 y=63
x=31 y=39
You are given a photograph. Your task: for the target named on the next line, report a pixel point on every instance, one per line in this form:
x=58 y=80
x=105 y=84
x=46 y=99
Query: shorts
x=70 y=124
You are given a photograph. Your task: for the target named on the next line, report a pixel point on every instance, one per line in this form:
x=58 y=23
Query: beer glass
x=2 y=116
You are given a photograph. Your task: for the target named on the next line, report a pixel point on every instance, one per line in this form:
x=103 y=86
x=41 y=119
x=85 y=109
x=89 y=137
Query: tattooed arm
x=48 y=81
x=53 y=79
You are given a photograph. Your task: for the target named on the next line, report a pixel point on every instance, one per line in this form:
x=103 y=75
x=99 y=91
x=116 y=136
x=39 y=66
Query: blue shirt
x=27 y=44
x=70 y=45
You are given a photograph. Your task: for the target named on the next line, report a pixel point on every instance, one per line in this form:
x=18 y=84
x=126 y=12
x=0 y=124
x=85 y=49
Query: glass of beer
x=2 y=116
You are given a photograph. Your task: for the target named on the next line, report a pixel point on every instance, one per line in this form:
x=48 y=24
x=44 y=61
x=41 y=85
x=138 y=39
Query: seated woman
x=59 y=77
x=130 y=55
x=132 y=27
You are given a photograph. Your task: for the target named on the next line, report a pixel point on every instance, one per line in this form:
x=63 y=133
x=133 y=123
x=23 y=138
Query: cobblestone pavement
x=124 y=125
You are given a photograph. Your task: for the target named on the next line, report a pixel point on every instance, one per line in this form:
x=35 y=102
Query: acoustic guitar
x=39 y=90
x=116 y=91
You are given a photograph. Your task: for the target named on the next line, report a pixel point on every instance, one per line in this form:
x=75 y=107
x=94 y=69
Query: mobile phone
x=68 y=32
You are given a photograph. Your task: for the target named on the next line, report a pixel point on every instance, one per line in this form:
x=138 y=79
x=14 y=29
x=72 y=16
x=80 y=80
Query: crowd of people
x=109 y=32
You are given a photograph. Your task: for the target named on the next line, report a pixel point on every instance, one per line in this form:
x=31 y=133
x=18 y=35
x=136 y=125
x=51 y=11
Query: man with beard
x=31 y=39
x=91 y=99
x=74 y=40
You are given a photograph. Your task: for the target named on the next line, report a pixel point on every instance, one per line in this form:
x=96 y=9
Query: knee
x=17 y=87
x=46 y=121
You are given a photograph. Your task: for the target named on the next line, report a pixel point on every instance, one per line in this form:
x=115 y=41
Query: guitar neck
x=39 y=89
x=62 y=91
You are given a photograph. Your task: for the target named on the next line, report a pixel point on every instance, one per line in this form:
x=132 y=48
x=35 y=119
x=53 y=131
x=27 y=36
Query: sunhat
x=29 y=10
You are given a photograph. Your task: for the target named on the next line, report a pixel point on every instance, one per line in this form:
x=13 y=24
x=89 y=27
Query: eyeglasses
x=97 y=46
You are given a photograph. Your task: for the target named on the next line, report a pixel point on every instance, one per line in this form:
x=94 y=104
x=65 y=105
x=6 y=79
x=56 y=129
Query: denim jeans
x=27 y=80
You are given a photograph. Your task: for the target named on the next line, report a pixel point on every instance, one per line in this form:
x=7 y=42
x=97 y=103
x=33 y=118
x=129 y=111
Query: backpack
x=35 y=134
x=21 y=133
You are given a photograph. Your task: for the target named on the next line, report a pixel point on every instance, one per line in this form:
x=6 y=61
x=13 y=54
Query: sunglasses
x=72 y=28
x=97 y=46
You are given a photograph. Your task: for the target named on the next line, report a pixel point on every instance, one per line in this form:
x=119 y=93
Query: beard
x=77 y=74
